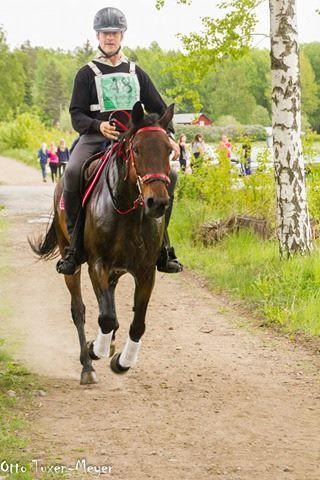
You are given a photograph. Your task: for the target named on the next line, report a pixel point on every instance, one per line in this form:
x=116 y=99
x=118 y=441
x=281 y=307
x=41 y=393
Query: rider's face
x=110 y=41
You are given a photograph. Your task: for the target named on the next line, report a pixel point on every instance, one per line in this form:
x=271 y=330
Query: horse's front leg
x=88 y=374
x=121 y=362
x=104 y=286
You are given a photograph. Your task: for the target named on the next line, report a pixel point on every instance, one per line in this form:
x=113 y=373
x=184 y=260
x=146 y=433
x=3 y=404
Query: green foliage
x=224 y=194
x=65 y=121
x=23 y=132
x=12 y=81
x=226 y=91
x=236 y=86
x=21 y=138
x=309 y=89
x=84 y=54
x=226 y=120
x=228 y=36
x=260 y=116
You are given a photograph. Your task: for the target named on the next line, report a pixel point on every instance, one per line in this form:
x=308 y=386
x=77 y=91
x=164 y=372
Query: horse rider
x=109 y=82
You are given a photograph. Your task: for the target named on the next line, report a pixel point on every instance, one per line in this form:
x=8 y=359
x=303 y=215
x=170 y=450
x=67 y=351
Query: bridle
x=130 y=161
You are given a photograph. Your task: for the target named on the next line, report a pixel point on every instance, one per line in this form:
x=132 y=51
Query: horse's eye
x=136 y=150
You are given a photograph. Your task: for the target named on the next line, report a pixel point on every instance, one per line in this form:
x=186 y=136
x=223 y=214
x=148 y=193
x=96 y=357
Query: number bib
x=117 y=91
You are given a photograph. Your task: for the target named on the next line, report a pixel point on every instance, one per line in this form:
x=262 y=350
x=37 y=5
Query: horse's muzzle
x=155 y=207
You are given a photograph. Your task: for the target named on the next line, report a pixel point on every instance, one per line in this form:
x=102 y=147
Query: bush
x=260 y=116
x=21 y=138
x=224 y=193
x=22 y=132
x=227 y=120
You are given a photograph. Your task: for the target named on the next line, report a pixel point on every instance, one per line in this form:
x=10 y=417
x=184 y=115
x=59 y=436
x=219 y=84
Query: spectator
x=198 y=146
x=246 y=157
x=226 y=146
x=183 y=158
x=63 y=155
x=53 y=161
x=43 y=160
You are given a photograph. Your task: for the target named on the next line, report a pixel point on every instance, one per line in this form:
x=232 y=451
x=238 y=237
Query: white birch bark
x=294 y=230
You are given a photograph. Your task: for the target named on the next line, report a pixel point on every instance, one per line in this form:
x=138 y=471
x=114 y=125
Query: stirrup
x=67 y=265
x=168 y=261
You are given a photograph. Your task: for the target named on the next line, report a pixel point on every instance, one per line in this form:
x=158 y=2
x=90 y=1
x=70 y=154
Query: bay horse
x=123 y=232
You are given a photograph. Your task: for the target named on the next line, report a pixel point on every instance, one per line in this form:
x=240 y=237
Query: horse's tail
x=46 y=246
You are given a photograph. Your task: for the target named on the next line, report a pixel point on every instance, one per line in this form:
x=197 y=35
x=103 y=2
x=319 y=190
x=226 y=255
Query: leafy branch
x=229 y=36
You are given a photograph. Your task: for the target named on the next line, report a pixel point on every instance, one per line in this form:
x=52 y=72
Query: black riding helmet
x=110 y=19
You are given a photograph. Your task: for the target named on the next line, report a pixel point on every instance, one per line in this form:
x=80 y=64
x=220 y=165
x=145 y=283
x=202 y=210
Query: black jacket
x=85 y=94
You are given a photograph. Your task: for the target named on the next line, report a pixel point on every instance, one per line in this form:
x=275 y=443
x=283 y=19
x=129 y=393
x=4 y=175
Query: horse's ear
x=137 y=113
x=167 y=117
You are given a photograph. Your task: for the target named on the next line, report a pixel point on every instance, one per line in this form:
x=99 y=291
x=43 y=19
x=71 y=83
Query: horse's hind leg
x=121 y=362
x=104 y=287
x=88 y=374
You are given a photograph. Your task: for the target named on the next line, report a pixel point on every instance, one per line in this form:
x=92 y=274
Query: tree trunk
x=292 y=209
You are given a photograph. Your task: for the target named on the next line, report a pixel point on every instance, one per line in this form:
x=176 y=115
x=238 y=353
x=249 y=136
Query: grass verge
x=18 y=391
x=285 y=292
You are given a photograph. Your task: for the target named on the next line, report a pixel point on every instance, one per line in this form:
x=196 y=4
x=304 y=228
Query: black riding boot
x=167 y=261
x=69 y=263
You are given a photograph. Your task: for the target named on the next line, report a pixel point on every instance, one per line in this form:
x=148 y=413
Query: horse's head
x=150 y=149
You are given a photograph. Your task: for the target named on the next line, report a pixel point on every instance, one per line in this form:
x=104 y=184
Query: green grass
x=285 y=292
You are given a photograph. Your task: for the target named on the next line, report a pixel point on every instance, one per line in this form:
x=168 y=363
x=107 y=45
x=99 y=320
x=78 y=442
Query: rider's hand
x=175 y=149
x=109 y=131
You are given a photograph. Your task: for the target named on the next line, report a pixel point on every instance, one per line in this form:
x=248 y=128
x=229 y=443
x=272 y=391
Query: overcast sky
x=68 y=23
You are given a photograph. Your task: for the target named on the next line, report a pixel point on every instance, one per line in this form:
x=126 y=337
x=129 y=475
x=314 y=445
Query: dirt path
x=212 y=397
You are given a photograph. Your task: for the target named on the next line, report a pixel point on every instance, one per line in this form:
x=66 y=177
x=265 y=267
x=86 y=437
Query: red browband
x=153 y=177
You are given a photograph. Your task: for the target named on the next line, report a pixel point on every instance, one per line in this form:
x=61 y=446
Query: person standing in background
x=53 y=161
x=183 y=158
x=43 y=160
x=63 y=155
x=198 y=146
x=226 y=145
x=246 y=157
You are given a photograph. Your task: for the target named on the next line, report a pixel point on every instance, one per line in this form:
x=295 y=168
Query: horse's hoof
x=115 y=365
x=92 y=355
x=112 y=348
x=88 y=378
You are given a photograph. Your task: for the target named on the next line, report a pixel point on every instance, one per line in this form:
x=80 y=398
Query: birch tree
x=231 y=36
x=293 y=218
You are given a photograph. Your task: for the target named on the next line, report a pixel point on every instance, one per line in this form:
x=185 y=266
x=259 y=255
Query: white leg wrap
x=101 y=345
x=129 y=355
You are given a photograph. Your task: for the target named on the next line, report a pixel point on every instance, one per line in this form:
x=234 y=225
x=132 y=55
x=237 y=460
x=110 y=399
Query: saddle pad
x=61 y=203
x=94 y=180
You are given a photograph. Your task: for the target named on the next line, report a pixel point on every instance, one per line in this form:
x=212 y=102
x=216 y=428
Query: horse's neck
x=123 y=190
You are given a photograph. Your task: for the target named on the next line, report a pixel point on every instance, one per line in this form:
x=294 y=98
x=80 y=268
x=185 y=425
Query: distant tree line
x=39 y=80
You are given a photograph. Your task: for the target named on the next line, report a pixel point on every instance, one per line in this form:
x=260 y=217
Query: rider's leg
x=87 y=146
x=168 y=261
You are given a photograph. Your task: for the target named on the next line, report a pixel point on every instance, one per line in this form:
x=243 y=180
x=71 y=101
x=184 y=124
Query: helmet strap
x=109 y=55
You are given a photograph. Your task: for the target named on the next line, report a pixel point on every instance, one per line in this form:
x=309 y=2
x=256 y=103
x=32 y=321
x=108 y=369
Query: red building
x=192 y=119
